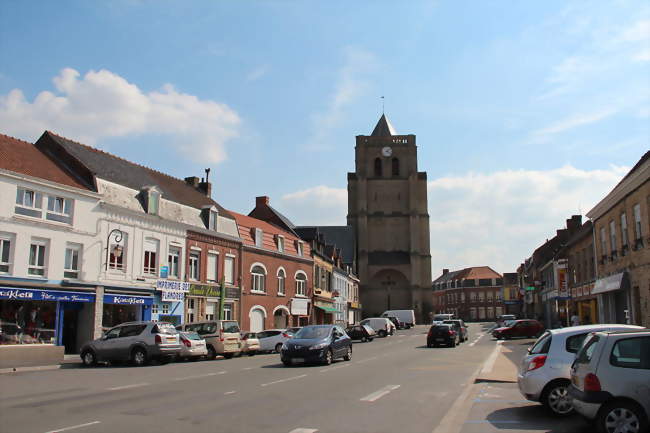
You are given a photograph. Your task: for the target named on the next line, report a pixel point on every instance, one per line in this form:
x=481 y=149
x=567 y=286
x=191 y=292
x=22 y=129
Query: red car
x=519 y=328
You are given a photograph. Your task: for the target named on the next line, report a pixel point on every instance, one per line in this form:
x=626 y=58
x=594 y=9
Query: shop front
x=300 y=311
x=585 y=303
x=614 y=298
x=324 y=312
x=120 y=308
x=354 y=312
x=169 y=301
x=203 y=302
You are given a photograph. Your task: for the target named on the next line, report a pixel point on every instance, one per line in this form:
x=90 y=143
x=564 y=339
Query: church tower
x=387 y=206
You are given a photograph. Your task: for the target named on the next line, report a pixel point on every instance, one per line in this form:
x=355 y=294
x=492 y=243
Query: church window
x=377 y=167
x=395 y=167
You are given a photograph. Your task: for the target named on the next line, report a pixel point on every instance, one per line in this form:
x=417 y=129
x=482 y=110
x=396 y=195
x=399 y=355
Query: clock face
x=387 y=151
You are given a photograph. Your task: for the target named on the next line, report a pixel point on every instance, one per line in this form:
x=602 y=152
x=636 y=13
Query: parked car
x=459 y=327
x=396 y=322
x=294 y=329
x=317 y=344
x=271 y=340
x=138 y=342
x=361 y=332
x=222 y=337
x=382 y=326
x=442 y=334
x=610 y=381
x=519 y=328
x=441 y=317
x=192 y=346
x=544 y=373
x=501 y=320
x=405 y=316
x=250 y=343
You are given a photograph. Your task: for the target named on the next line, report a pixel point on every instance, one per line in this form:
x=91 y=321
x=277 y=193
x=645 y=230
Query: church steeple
x=383 y=128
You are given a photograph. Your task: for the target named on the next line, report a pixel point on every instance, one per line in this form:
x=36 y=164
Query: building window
x=37 y=251
x=173 y=262
x=395 y=167
x=281 y=280
x=29 y=202
x=378 y=167
x=612 y=234
x=603 y=241
x=59 y=209
x=624 y=236
x=301 y=284
x=212 y=224
x=259 y=237
x=281 y=243
x=153 y=202
x=117 y=251
x=154 y=308
x=258 y=279
x=5 y=255
x=213 y=260
x=227 y=311
x=637 y=222
x=150 y=266
x=191 y=305
x=210 y=309
x=71 y=264
x=195 y=260
x=165 y=308
x=299 y=248
x=228 y=269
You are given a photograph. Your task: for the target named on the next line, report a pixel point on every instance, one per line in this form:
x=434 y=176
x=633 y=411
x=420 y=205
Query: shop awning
x=327 y=309
x=611 y=283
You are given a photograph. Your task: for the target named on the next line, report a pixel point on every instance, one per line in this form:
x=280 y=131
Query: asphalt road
x=393 y=385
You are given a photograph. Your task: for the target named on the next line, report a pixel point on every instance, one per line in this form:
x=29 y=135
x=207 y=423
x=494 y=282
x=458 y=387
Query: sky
x=525 y=112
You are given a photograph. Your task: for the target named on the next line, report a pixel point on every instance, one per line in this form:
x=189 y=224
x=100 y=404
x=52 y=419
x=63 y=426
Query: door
x=70 y=322
x=107 y=348
x=257 y=320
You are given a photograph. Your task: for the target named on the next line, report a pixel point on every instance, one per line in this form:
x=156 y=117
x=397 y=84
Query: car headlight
x=318 y=346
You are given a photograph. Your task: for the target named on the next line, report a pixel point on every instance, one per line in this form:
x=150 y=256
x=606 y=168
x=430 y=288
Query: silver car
x=138 y=342
x=610 y=381
x=271 y=340
x=192 y=346
x=544 y=373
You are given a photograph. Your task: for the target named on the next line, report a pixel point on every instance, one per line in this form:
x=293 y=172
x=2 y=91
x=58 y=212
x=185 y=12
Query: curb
x=34 y=368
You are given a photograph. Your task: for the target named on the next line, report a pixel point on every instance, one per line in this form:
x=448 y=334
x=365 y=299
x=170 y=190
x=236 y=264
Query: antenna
x=382 y=105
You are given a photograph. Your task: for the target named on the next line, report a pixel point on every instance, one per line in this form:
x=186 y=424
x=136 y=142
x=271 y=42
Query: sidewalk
x=69 y=361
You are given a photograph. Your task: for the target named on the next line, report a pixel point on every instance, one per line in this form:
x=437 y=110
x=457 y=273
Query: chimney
x=445 y=271
x=261 y=201
x=205 y=188
x=192 y=181
x=574 y=223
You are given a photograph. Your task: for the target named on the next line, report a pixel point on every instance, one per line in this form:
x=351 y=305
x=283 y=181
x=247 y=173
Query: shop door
x=280 y=319
x=257 y=320
x=70 y=325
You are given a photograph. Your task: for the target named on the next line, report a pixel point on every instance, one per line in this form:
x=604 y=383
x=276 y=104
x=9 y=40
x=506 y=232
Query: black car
x=317 y=344
x=442 y=334
x=459 y=327
x=361 y=332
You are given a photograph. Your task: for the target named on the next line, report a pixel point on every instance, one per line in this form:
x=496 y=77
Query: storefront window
x=114 y=314
x=27 y=322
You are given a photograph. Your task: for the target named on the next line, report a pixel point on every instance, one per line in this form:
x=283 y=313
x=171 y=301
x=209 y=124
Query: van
x=439 y=318
x=405 y=316
x=222 y=337
x=382 y=326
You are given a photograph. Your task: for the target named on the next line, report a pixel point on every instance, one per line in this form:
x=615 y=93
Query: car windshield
x=230 y=327
x=310 y=332
x=165 y=328
x=509 y=323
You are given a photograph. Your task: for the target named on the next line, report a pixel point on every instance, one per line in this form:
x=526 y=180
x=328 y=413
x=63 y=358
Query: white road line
x=489 y=364
x=476 y=340
x=284 y=380
x=334 y=368
x=73 y=427
x=197 y=376
x=379 y=394
x=134 y=385
x=303 y=430
x=247 y=368
x=367 y=359
x=229 y=392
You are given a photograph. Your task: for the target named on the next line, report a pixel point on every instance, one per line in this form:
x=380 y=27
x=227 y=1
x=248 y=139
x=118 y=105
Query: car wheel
x=211 y=352
x=88 y=358
x=251 y=353
x=557 y=400
x=363 y=339
x=329 y=357
x=278 y=347
x=621 y=416
x=348 y=354
x=139 y=357
x=382 y=333
x=453 y=343
x=228 y=355
x=370 y=339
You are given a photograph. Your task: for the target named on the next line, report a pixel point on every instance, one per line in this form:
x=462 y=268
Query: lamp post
x=117 y=251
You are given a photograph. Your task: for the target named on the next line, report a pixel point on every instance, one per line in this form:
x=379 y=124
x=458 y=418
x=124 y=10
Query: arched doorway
x=256 y=316
x=392 y=289
x=280 y=319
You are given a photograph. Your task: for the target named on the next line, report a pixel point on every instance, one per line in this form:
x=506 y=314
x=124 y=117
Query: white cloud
x=257 y=73
x=352 y=83
x=495 y=219
x=574 y=121
x=103 y=104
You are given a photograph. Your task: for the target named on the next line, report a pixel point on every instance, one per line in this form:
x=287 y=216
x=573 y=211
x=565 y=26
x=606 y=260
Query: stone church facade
x=387 y=206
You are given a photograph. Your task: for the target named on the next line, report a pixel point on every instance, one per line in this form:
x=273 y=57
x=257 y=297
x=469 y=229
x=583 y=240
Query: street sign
x=164 y=271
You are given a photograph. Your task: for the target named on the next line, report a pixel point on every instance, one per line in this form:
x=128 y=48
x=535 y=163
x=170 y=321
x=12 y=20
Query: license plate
x=171 y=339
x=297 y=360
x=440 y=339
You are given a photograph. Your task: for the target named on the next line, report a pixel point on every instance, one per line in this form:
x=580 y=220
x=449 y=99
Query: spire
x=383 y=128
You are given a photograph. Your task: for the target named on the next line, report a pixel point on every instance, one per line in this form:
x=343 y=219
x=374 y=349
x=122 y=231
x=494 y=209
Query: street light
x=117 y=251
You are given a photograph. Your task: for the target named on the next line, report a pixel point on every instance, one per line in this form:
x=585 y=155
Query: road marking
x=489 y=364
x=367 y=359
x=73 y=427
x=247 y=368
x=499 y=400
x=476 y=340
x=197 y=376
x=334 y=368
x=229 y=392
x=379 y=394
x=284 y=380
x=134 y=385
x=303 y=430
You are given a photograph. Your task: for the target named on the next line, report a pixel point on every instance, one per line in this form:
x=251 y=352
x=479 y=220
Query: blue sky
x=525 y=112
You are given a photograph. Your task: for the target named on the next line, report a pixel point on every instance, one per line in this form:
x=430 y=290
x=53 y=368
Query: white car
x=382 y=326
x=271 y=340
x=192 y=346
x=544 y=373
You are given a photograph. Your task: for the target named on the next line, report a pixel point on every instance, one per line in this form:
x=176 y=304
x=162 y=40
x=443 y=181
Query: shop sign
x=177 y=286
x=563 y=292
x=355 y=305
x=44 y=295
x=233 y=292
x=204 y=290
x=164 y=271
x=172 y=296
x=299 y=306
x=127 y=300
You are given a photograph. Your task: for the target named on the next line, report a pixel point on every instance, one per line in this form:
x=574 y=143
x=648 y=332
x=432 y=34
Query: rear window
x=230 y=327
x=542 y=345
x=587 y=352
x=164 y=328
x=574 y=343
x=192 y=336
x=631 y=353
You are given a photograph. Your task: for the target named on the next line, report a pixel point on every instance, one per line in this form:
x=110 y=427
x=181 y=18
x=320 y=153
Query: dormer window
x=151 y=196
x=259 y=236
x=280 y=242
x=299 y=248
x=210 y=217
x=213 y=220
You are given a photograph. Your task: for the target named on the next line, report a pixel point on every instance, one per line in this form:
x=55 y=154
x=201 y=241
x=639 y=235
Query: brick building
x=276 y=271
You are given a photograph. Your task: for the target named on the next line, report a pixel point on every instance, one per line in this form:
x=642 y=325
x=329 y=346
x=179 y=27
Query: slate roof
x=118 y=170
x=341 y=237
x=451 y=275
x=383 y=128
x=22 y=157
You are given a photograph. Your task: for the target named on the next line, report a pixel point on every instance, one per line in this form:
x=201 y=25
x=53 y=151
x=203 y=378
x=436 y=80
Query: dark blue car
x=317 y=344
